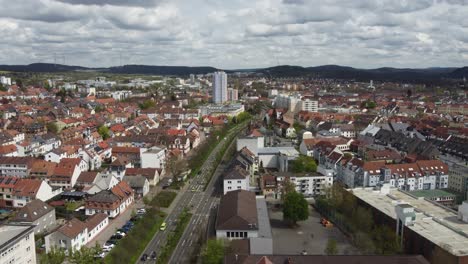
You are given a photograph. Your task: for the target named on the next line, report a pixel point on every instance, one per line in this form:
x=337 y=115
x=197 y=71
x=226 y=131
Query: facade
x=458 y=179
x=308 y=185
x=27 y=190
x=153 y=158
x=233 y=94
x=15 y=166
x=139 y=184
x=309 y=105
x=219 y=87
x=237 y=216
x=236 y=179
x=36 y=213
x=17 y=244
x=95 y=224
x=70 y=237
x=111 y=202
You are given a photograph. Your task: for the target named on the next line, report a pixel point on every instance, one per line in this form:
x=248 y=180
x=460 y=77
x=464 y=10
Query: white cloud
x=236 y=33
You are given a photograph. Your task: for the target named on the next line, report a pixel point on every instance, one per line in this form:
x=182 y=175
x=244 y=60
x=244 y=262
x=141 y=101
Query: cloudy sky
x=233 y=34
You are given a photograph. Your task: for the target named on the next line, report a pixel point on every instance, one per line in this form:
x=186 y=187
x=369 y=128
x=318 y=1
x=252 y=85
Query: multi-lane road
x=200 y=203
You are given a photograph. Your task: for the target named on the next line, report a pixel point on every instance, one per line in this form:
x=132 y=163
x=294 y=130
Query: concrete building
x=425 y=227
x=17 y=244
x=153 y=157
x=309 y=105
x=220 y=87
x=233 y=94
x=222 y=110
x=308 y=185
x=36 y=213
x=458 y=179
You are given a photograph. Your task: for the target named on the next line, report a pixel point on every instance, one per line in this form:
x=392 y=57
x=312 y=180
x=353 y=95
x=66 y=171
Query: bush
x=163 y=199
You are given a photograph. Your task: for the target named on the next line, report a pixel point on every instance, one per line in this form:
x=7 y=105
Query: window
x=228 y=234
x=239 y=181
x=229 y=188
x=229 y=182
x=239 y=187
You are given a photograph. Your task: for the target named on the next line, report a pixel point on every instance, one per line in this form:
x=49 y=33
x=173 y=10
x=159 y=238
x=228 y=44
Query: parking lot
x=310 y=236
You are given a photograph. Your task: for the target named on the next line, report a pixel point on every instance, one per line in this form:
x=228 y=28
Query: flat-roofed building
x=434 y=231
x=17 y=244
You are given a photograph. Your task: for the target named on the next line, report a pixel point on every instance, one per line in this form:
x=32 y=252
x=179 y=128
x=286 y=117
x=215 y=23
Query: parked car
x=116 y=236
x=112 y=241
x=144 y=257
x=153 y=255
x=108 y=247
x=141 y=211
x=163 y=226
x=120 y=233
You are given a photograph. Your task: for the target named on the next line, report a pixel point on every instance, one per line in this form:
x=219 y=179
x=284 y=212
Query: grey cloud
x=143 y=3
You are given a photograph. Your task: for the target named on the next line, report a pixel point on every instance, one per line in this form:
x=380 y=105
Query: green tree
x=2 y=88
x=386 y=240
x=331 y=248
x=84 y=256
x=55 y=256
x=288 y=187
x=52 y=127
x=147 y=104
x=213 y=252
x=104 y=132
x=295 y=208
x=304 y=164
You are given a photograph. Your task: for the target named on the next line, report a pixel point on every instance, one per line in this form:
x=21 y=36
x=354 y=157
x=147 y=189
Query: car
x=194 y=189
x=112 y=241
x=116 y=236
x=163 y=226
x=141 y=211
x=144 y=257
x=108 y=247
x=153 y=255
x=120 y=233
x=304 y=252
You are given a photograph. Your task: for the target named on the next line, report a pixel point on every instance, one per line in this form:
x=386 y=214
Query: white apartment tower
x=219 y=87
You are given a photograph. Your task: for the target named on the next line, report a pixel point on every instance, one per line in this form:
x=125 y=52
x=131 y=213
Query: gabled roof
x=236 y=173
x=87 y=177
x=32 y=211
x=237 y=211
x=95 y=220
x=148 y=173
x=122 y=190
x=72 y=228
x=137 y=181
x=27 y=187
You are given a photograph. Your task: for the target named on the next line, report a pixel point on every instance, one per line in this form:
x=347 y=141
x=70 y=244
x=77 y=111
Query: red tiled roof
x=7 y=149
x=27 y=187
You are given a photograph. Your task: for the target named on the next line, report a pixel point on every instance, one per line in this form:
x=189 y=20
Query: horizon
x=237 y=34
x=243 y=69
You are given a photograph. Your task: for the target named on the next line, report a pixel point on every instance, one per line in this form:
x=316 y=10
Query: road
x=198 y=201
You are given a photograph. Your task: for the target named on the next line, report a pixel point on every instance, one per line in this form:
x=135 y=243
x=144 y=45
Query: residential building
x=111 y=202
x=236 y=178
x=219 y=87
x=95 y=224
x=309 y=105
x=233 y=94
x=7 y=185
x=15 y=166
x=153 y=175
x=70 y=237
x=154 y=157
x=138 y=183
x=458 y=179
x=36 y=213
x=27 y=190
x=66 y=173
x=17 y=244
x=308 y=185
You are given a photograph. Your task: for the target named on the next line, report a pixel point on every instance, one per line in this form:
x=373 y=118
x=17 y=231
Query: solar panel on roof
x=8 y=181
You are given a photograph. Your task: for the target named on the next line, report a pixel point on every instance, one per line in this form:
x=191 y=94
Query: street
x=200 y=203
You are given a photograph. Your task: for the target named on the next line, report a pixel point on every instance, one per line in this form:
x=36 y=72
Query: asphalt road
x=199 y=202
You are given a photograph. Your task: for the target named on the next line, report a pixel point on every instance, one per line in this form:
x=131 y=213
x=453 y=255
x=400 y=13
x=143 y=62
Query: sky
x=236 y=34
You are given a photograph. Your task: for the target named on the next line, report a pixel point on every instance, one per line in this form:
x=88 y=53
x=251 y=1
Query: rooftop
x=10 y=233
x=432 y=193
x=434 y=222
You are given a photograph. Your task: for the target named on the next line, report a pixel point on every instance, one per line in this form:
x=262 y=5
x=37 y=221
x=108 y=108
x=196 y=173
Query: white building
x=233 y=94
x=308 y=185
x=5 y=80
x=17 y=244
x=219 y=87
x=121 y=95
x=309 y=105
x=153 y=157
x=70 y=237
x=236 y=179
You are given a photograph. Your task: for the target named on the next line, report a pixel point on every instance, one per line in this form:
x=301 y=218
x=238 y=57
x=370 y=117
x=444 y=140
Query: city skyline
x=236 y=34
